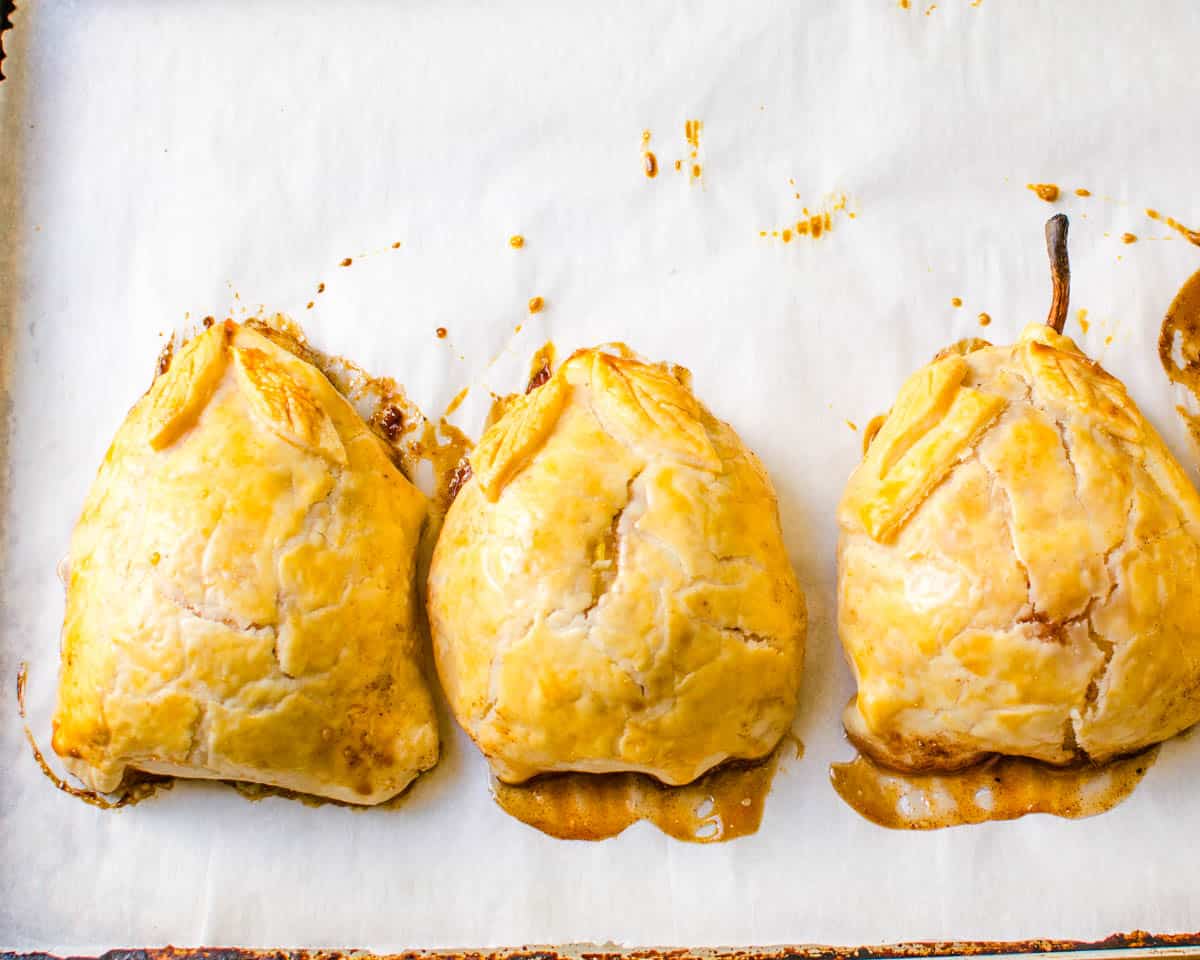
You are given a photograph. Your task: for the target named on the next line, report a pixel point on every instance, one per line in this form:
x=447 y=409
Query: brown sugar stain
x=1045 y=191
x=723 y=804
x=985 y=320
x=1180 y=336
x=1003 y=788
x=1192 y=236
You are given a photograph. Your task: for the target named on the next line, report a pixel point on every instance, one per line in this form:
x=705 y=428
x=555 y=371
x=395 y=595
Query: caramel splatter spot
x=1108 y=340
x=457 y=401
x=1045 y=191
x=852 y=425
x=1129 y=238
x=396 y=245
x=346 y=262
x=1081 y=316
x=309 y=305
x=984 y=320
x=320 y=288
x=650 y=164
x=905 y=4
x=930 y=9
x=645 y=136
x=208 y=322
x=678 y=164
x=787 y=236
x=1193 y=236
x=441 y=333
x=536 y=304
x=1083 y=192
x=956 y=301
x=516 y=241
x=691 y=130
x=695 y=170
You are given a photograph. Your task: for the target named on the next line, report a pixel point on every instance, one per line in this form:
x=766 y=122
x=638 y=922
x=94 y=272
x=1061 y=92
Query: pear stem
x=1060 y=271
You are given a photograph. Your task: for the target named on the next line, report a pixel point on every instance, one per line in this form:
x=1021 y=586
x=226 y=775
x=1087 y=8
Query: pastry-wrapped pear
x=1019 y=563
x=610 y=591
x=241 y=600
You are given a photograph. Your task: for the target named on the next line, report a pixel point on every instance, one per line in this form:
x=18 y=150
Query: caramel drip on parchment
x=1181 y=331
x=1003 y=788
x=1192 y=236
x=1045 y=191
x=723 y=804
x=135 y=787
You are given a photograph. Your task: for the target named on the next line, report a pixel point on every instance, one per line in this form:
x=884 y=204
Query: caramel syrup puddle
x=1003 y=788
x=1181 y=326
x=135 y=787
x=723 y=804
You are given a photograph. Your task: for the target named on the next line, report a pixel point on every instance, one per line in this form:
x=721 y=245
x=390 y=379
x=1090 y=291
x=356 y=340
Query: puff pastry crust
x=241 y=599
x=1018 y=567
x=610 y=589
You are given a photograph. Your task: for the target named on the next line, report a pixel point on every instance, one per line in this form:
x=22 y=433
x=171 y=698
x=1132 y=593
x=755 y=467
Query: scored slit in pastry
x=240 y=595
x=1018 y=563
x=610 y=590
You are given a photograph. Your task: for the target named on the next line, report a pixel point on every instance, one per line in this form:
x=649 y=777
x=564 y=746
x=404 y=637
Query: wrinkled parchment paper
x=166 y=161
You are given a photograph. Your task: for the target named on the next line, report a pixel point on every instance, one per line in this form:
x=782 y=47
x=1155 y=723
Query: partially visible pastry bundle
x=241 y=597
x=610 y=590
x=1018 y=564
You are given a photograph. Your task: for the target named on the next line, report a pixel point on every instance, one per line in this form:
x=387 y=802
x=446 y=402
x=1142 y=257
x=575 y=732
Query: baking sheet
x=166 y=161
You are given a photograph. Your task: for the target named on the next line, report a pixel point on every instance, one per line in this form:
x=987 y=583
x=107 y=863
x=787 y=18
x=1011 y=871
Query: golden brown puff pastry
x=1018 y=567
x=240 y=601
x=610 y=590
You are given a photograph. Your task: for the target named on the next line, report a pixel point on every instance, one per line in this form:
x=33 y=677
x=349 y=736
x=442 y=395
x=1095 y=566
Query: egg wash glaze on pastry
x=1017 y=564
x=610 y=592
x=241 y=599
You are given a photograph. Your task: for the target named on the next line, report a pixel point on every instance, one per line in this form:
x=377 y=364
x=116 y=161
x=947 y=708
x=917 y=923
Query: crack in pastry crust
x=1082 y=639
x=617 y=595
x=240 y=602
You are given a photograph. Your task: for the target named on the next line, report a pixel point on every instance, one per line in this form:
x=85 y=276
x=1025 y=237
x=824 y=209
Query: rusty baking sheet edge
x=1119 y=945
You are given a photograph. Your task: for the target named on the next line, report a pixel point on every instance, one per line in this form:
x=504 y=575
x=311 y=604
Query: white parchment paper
x=166 y=160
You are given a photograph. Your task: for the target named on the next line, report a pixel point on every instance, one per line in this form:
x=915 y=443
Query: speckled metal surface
x=1137 y=943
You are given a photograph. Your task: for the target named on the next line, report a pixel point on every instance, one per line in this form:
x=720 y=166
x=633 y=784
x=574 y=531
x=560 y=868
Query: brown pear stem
x=1060 y=271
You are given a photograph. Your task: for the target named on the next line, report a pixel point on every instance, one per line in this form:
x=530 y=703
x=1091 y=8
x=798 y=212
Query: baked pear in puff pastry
x=1019 y=563
x=610 y=590
x=241 y=600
